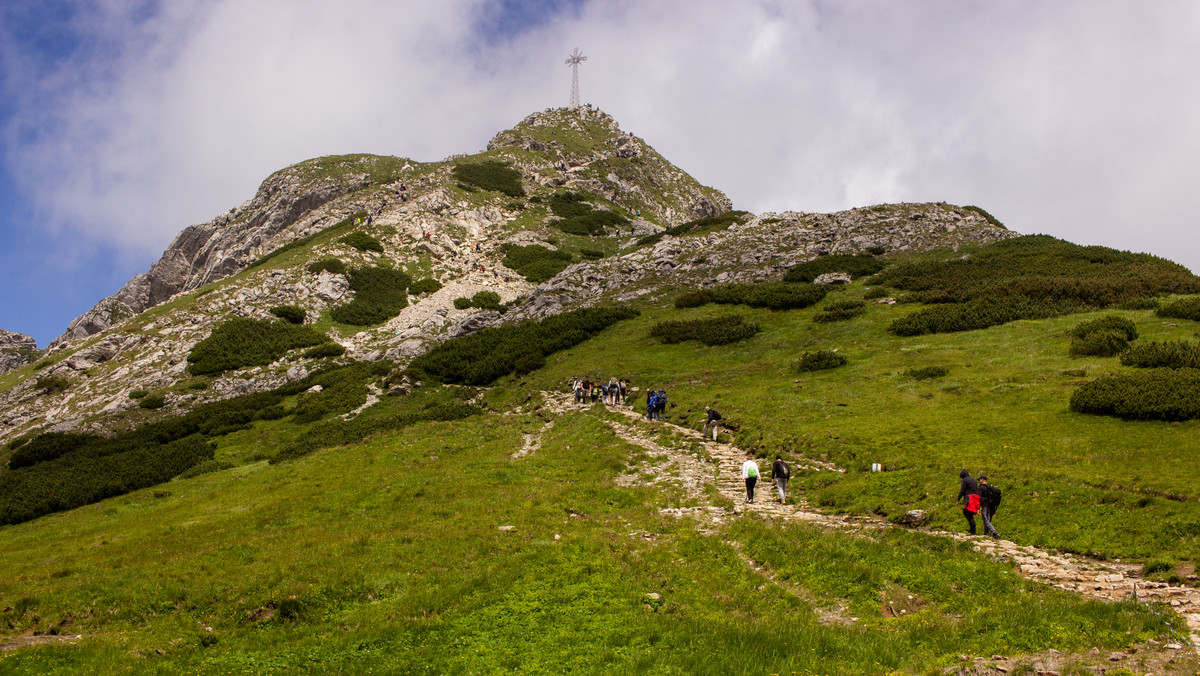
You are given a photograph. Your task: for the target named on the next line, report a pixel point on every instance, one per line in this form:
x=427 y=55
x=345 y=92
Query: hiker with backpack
x=968 y=491
x=780 y=473
x=750 y=476
x=661 y=406
x=714 y=420
x=989 y=500
x=651 y=403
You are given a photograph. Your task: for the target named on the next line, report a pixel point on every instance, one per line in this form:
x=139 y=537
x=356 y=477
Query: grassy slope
x=388 y=556
x=1074 y=482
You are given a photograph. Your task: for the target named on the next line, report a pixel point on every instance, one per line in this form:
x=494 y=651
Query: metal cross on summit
x=573 y=61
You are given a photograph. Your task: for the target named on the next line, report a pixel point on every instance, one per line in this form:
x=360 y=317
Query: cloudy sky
x=124 y=121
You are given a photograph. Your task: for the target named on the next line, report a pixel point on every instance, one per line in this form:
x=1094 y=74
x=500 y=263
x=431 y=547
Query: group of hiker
x=975 y=495
x=613 y=392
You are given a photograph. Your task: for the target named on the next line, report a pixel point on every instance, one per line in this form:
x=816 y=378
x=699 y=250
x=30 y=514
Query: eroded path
x=721 y=465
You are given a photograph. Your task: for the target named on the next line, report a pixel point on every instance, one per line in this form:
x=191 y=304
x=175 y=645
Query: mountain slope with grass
x=345 y=439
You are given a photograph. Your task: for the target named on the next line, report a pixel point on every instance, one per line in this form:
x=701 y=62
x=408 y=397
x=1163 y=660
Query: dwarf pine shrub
x=363 y=242
x=427 y=285
x=324 y=350
x=1115 y=323
x=840 y=310
x=856 y=265
x=137 y=394
x=241 y=342
x=535 y=262
x=820 y=360
x=979 y=314
x=1184 y=308
x=699 y=226
x=484 y=356
x=53 y=384
x=379 y=295
x=1151 y=394
x=1174 y=354
x=694 y=298
x=291 y=314
x=577 y=217
x=333 y=265
x=1099 y=343
x=876 y=292
x=152 y=401
x=490 y=175
x=773 y=295
x=462 y=303
x=715 y=331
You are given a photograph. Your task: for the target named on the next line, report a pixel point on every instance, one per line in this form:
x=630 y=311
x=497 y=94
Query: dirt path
x=1103 y=580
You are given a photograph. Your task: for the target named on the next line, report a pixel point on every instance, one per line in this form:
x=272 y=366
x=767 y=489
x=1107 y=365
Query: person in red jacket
x=968 y=491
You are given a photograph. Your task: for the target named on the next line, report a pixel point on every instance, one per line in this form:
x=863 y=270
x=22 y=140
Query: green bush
x=716 y=331
x=276 y=412
x=324 y=350
x=876 y=292
x=700 y=226
x=333 y=265
x=579 y=218
x=1114 y=323
x=979 y=314
x=535 y=262
x=152 y=401
x=591 y=254
x=490 y=175
x=1184 y=308
x=53 y=384
x=840 y=310
x=819 y=361
x=694 y=298
x=1099 y=343
x=487 y=300
x=241 y=342
x=857 y=265
x=379 y=295
x=48 y=446
x=290 y=313
x=773 y=295
x=482 y=357
x=1171 y=354
x=1140 y=304
x=528 y=363
x=427 y=285
x=992 y=220
x=927 y=373
x=206 y=467
x=363 y=242
x=462 y=303
x=137 y=394
x=1152 y=394
x=1043 y=267
x=877 y=250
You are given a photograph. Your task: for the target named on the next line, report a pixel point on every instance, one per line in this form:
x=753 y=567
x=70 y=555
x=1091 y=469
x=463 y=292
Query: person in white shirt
x=750 y=475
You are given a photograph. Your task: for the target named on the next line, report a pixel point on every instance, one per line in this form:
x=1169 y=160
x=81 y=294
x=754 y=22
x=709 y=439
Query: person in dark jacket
x=714 y=420
x=780 y=475
x=968 y=491
x=987 y=507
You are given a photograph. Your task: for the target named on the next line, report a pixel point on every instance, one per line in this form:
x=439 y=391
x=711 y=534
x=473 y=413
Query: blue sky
x=124 y=121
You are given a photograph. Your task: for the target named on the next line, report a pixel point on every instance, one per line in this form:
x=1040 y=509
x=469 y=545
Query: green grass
x=1076 y=482
x=389 y=556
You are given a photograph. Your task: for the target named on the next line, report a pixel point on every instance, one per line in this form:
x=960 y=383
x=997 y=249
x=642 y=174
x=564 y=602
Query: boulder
x=833 y=278
x=914 y=519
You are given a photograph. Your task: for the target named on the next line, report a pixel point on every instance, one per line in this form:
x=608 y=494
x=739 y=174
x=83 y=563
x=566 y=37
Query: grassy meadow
x=396 y=556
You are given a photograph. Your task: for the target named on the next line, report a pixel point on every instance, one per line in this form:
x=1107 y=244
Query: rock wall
x=16 y=350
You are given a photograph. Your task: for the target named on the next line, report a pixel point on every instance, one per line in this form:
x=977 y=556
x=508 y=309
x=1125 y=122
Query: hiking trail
x=1103 y=580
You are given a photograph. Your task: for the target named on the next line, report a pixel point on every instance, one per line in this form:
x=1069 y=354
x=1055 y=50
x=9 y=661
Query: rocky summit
x=598 y=197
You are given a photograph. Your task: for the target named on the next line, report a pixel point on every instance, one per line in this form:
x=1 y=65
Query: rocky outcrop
x=16 y=350
x=224 y=246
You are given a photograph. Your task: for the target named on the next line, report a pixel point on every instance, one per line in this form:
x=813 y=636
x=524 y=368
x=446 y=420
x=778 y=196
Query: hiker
x=661 y=406
x=714 y=420
x=651 y=403
x=577 y=387
x=750 y=476
x=624 y=390
x=780 y=473
x=968 y=491
x=989 y=500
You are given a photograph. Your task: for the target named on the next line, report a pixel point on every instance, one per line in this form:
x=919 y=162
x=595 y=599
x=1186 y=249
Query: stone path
x=1104 y=580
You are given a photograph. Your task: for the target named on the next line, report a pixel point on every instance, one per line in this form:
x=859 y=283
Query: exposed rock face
x=16 y=350
x=215 y=250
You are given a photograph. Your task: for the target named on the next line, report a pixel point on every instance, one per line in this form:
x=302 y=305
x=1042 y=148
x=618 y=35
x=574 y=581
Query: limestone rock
x=833 y=278
x=16 y=350
x=914 y=519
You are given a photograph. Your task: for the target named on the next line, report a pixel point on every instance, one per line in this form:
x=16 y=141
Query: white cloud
x=1074 y=118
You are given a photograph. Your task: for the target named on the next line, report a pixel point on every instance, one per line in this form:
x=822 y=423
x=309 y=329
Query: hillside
x=334 y=433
